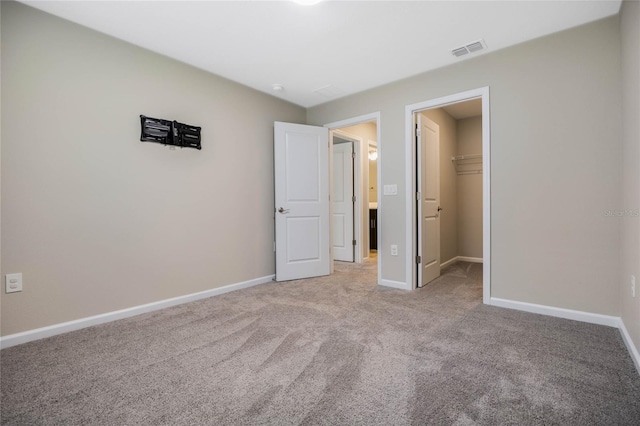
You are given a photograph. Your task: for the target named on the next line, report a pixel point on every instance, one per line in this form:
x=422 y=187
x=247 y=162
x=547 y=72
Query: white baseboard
x=599 y=319
x=557 y=312
x=470 y=259
x=448 y=262
x=461 y=259
x=65 y=327
x=394 y=284
x=633 y=351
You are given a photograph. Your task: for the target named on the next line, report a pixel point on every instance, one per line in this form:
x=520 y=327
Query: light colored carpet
x=333 y=350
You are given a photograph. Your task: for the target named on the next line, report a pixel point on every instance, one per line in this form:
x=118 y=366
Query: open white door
x=343 y=201
x=301 y=161
x=428 y=149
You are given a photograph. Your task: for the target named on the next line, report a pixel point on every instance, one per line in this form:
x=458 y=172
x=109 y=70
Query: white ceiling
x=350 y=46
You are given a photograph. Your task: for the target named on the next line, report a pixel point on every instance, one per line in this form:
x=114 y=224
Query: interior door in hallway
x=428 y=148
x=302 y=227
x=343 y=201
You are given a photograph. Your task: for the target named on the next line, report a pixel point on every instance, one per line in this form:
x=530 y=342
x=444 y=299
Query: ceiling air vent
x=469 y=48
x=329 y=92
x=460 y=51
x=474 y=47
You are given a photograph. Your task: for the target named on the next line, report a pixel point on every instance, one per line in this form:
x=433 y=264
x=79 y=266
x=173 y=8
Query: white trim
x=393 y=284
x=354 y=120
x=633 y=351
x=410 y=185
x=374 y=116
x=65 y=327
x=588 y=317
x=470 y=259
x=449 y=262
x=486 y=196
x=461 y=259
x=557 y=312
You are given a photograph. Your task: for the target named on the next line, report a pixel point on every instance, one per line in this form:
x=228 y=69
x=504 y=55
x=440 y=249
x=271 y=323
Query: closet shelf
x=467 y=164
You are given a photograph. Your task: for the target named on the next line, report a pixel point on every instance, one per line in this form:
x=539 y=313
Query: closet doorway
x=450 y=181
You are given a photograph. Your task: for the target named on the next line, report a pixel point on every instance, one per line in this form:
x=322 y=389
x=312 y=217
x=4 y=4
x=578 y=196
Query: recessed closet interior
x=460 y=180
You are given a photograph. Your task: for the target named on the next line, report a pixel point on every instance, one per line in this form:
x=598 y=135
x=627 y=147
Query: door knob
x=283 y=210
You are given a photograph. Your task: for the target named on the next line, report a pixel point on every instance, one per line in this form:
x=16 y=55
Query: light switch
x=390 y=189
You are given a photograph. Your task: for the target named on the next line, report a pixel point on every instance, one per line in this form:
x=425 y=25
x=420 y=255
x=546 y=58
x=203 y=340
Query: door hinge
x=418 y=260
x=353 y=154
x=353 y=242
x=418 y=132
x=417 y=196
x=274 y=246
x=353 y=199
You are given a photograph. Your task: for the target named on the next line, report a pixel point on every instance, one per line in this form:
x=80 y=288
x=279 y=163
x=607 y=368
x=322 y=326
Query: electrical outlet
x=394 y=250
x=633 y=286
x=13 y=283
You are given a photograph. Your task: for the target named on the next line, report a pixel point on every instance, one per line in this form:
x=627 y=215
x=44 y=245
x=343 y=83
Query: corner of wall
x=630 y=206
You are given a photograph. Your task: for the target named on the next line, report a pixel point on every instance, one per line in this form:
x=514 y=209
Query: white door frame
x=411 y=208
x=374 y=116
x=357 y=189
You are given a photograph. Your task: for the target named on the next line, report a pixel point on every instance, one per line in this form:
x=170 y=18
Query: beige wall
x=95 y=219
x=469 y=186
x=367 y=132
x=547 y=156
x=448 y=183
x=630 y=30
